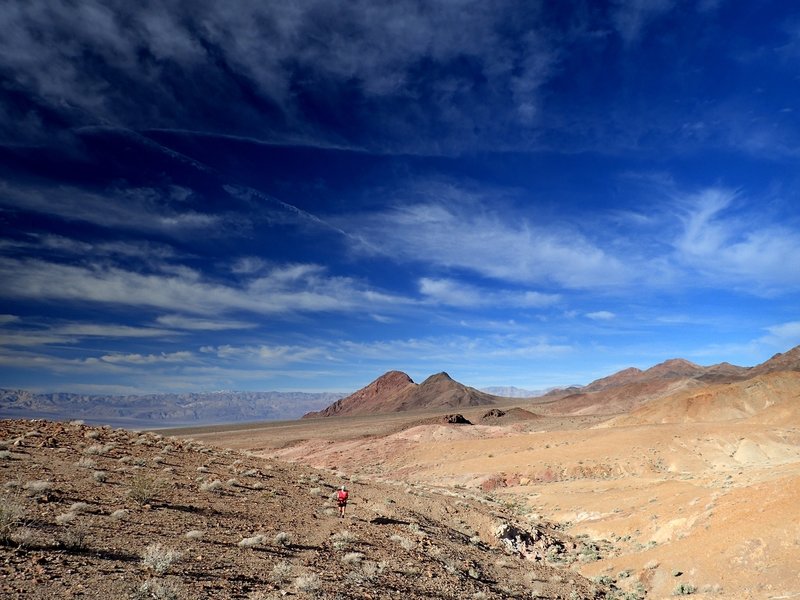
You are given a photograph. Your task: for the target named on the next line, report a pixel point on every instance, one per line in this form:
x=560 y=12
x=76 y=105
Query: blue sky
x=255 y=196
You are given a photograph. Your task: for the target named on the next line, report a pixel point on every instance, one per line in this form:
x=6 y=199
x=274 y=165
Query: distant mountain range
x=162 y=410
x=620 y=393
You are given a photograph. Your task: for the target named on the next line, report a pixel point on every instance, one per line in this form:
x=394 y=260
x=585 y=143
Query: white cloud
x=782 y=336
x=138 y=209
x=147 y=359
x=601 y=315
x=744 y=252
x=454 y=293
x=4 y=319
x=374 y=47
x=457 y=230
x=292 y=288
x=192 y=323
x=265 y=354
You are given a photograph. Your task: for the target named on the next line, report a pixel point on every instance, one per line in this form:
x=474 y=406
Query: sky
x=262 y=195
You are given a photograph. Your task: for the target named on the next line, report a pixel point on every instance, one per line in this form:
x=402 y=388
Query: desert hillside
x=108 y=513
x=692 y=485
x=395 y=391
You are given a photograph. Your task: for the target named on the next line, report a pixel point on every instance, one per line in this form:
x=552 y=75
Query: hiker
x=341 y=500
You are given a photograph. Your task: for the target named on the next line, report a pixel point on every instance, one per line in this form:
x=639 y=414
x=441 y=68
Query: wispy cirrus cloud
x=178 y=289
x=146 y=359
x=731 y=247
x=457 y=229
x=136 y=209
x=450 y=292
x=175 y=321
x=100 y=62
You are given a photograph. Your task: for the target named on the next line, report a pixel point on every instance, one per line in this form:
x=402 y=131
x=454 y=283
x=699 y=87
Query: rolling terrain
x=689 y=475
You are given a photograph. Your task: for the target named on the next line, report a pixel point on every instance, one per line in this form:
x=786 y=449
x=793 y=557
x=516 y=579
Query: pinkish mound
x=496 y=416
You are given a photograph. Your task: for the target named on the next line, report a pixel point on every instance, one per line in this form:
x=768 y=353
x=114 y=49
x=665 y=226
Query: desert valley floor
x=678 y=480
x=711 y=507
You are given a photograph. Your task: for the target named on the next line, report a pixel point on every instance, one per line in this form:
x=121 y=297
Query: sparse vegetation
x=145 y=488
x=252 y=542
x=281 y=572
x=12 y=517
x=159 y=558
x=343 y=539
x=282 y=539
x=684 y=589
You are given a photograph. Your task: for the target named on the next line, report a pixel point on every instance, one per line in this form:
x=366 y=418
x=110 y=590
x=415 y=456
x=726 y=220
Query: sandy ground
x=712 y=507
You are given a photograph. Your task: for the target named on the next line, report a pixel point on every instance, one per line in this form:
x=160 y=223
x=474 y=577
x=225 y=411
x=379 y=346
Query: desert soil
x=707 y=506
x=91 y=512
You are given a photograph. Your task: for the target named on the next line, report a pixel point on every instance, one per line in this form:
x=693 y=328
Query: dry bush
x=100 y=476
x=65 y=518
x=12 y=517
x=212 y=486
x=194 y=534
x=404 y=542
x=281 y=572
x=86 y=463
x=159 y=558
x=36 y=487
x=282 y=539
x=352 y=558
x=144 y=488
x=98 y=449
x=154 y=589
x=75 y=537
x=119 y=515
x=343 y=539
x=251 y=542
x=307 y=584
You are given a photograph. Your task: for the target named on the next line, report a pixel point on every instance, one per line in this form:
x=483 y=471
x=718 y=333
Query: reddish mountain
x=396 y=392
x=631 y=388
x=378 y=396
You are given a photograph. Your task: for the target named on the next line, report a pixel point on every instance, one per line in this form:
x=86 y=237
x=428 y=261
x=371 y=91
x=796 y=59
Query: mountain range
x=621 y=393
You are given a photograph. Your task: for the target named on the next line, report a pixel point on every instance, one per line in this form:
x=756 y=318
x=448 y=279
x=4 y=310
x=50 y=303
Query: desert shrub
x=212 y=486
x=38 y=486
x=684 y=589
x=308 y=583
x=251 y=542
x=12 y=517
x=79 y=507
x=282 y=539
x=352 y=558
x=281 y=572
x=404 y=542
x=250 y=473
x=159 y=559
x=194 y=534
x=5 y=455
x=343 y=539
x=202 y=469
x=86 y=463
x=65 y=518
x=98 y=449
x=100 y=476
x=119 y=515
x=75 y=537
x=92 y=434
x=144 y=488
x=154 y=589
